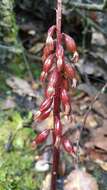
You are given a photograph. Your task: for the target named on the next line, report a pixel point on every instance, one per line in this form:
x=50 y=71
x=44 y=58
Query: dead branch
x=92 y=103
x=90 y=7
x=92 y=23
x=85 y=119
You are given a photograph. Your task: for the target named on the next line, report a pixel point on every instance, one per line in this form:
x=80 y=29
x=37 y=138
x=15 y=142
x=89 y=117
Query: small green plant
x=58 y=72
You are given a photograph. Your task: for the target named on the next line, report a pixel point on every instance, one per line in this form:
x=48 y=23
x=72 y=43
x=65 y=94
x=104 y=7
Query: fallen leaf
x=98 y=138
x=98 y=38
x=36 y=48
x=47 y=182
x=91 y=121
x=41 y=166
x=102 y=164
x=100 y=108
x=95 y=154
x=20 y=86
x=80 y=180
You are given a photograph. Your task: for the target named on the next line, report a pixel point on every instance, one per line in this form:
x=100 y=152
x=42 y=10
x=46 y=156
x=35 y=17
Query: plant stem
x=56 y=149
x=58 y=20
x=55 y=167
x=56 y=110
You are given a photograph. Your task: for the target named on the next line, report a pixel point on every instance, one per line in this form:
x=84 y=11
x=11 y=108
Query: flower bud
x=74 y=83
x=58 y=127
x=51 y=30
x=49 y=40
x=70 y=71
x=60 y=63
x=65 y=84
x=70 y=43
x=50 y=91
x=46 y=52
x=48 y=63
x=67 y=108
x=64 y=96
x=37 y=114
x=45 y=104
x=50 y=43
x=53 y=79
x=41 y=137
x=65 y=101
x=60 y=57
x=67 y=145
x=44 y=115
x=43 y=76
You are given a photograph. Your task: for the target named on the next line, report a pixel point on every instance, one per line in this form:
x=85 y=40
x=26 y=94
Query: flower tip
x=36 y=115
x=49 y=40
x=75 y=57
x=43 y=76
x=33 y=145
x=74 y=83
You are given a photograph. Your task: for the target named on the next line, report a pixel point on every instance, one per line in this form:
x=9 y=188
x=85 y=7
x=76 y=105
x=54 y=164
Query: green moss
x=8 y=27
x=16 y=166
x=16 y=172
x=17 y=66
x=36 y=70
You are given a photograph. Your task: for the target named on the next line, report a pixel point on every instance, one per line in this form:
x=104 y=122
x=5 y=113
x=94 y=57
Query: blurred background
x=23 y=28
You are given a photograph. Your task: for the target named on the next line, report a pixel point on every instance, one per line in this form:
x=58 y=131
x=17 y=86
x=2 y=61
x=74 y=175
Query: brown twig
x=86 y=116
x=92 y=103
x=90 y=22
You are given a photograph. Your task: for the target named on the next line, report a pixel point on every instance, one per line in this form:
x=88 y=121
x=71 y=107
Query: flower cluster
x=59 y=72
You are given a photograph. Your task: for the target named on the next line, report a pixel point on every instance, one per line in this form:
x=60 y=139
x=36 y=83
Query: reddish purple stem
x=56 y=111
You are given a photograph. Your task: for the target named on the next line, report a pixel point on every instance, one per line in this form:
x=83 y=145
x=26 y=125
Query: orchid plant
x=58 y=72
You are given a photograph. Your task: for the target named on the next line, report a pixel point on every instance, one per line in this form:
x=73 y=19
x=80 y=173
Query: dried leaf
x=102 y=164
x=98 y=38
x=46 y=182
x=100 y=108
x=20 y=86
x=80 y=180
x=36 y=48
x=96 y=155
x=91 y=121
x=99 y=138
